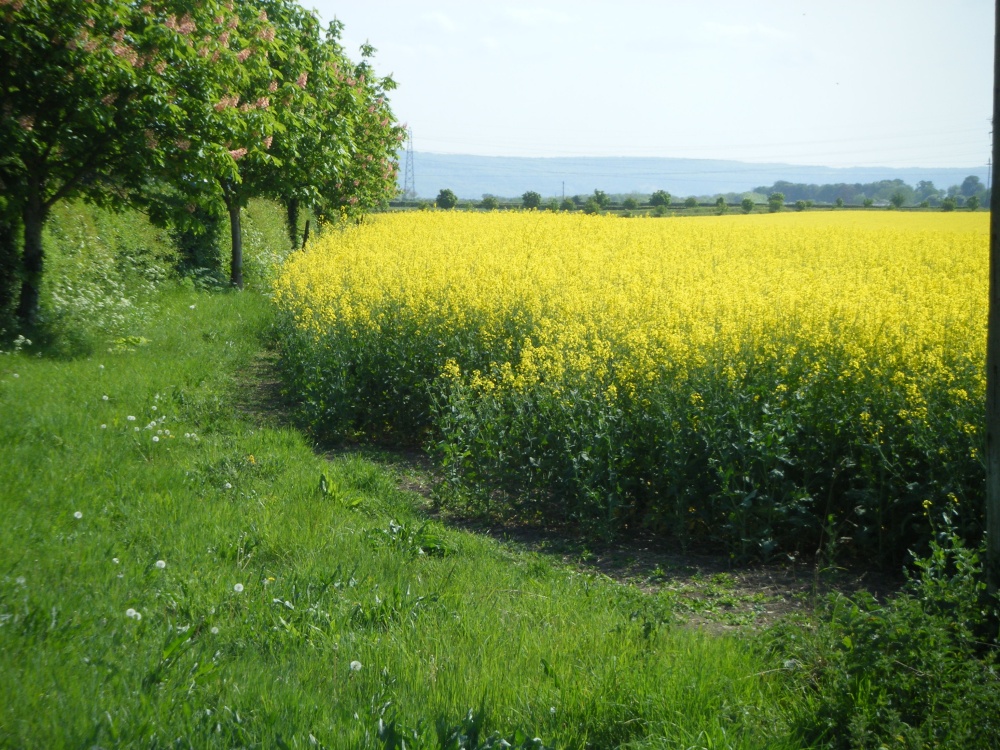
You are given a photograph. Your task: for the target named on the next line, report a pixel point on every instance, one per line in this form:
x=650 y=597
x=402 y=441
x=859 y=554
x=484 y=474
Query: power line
x=409 y=178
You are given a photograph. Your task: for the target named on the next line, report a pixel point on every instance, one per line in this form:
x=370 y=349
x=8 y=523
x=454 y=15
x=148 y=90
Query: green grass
x=441 y=621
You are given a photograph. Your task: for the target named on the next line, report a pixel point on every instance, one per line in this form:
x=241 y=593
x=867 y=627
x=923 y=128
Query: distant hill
x=507 y=176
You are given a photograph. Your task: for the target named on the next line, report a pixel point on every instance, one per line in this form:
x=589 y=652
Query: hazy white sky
x=847 y=83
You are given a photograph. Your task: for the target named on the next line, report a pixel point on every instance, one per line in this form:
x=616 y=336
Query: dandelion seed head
x=78 y=515
x=355 y=666
x=215 y=630
x=104 y=398
x=104 y=427
x=130 y=418
x=238 y=588
x=156 y=439
x=161 y=564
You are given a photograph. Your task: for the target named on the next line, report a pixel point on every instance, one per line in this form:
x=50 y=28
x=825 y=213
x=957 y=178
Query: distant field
x=766 y=383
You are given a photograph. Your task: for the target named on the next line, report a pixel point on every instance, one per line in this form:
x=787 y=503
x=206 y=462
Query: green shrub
x=917 y=671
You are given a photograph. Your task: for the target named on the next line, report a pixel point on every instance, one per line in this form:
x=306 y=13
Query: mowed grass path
x=174 y=572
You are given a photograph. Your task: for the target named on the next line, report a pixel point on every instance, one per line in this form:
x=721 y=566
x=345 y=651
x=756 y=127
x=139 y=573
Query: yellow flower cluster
x=564 y=297
x=620 y=372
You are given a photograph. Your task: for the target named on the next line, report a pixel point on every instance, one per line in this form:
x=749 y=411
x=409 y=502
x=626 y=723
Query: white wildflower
x=355 y=666
x=238 y=588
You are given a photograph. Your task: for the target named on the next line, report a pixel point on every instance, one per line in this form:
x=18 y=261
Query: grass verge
x=173 y=571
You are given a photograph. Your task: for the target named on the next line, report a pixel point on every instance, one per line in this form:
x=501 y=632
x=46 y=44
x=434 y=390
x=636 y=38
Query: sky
x=897 y=83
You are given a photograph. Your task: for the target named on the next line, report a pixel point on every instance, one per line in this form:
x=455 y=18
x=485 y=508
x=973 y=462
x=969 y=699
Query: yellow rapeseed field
x=600 y=307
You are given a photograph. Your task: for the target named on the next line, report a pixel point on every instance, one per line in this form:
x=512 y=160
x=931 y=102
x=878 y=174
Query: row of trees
x=661 y=200
x=970 y=194
x=181 y=107
x=896 y=192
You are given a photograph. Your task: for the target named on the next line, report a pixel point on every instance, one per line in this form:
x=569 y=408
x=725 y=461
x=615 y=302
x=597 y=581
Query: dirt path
x=706 y=590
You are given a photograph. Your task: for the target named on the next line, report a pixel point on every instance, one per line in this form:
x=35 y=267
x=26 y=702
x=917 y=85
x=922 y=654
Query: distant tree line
x=895 y=192
x=186 y=109
x=971 y=194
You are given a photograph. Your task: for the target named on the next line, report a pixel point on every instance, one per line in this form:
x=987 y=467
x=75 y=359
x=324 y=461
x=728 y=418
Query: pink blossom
x=262 y=16
x=183 y=144
x=27 y=122
x=238 y=153
x=262 y=103
x=190 y=208
x=267 y=141
x=233 y=22
x=267 y=33
x=272 y=86
x=108 y=99
x=224 y=39
x=301 y=80
x=119 y=35
x=243 y=54
x=161 y=67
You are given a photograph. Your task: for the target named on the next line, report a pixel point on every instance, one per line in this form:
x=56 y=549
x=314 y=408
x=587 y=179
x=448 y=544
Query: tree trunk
x=236 y=229
x=33 y=257
x=292 y=209
x=993 y=351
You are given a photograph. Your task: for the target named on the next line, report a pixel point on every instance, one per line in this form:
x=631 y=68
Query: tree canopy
x=179 y=105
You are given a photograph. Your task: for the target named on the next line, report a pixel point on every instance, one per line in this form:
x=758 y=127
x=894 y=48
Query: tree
x=489 y=203
x=972 y=203
x=690 y=202
x=800 y=205
x=971 y=185
x=747 y=205
x=660 y=198
x=89 y=92
x=897 y=199
x=592 y=206
x=446 y=199
x=839 y=203
x=567 y=204
x=531 y=199
x=720 y=205
x=948 y=204
x=630 y=204
x=602 y=199
x=775 y=202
